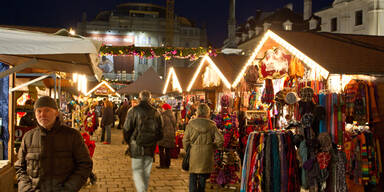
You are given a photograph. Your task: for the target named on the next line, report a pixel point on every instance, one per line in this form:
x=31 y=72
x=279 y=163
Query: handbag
x=185 y=163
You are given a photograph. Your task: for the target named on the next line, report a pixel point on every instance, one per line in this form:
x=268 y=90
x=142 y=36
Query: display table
x=7 y=175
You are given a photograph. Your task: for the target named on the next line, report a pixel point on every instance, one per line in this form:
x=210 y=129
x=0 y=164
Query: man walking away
x=52 y=157
x=107 y=122
x=143 y=127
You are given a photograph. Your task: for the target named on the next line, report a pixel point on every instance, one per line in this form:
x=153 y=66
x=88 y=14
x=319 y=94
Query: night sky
x=214 y=13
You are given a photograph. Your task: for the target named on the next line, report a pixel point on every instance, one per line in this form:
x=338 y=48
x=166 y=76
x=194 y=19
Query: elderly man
x=52 y=157
x=143 y=127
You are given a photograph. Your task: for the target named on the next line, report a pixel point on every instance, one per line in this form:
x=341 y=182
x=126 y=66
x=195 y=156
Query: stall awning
x=26 y=49
x=340 y=53
x=149 y=80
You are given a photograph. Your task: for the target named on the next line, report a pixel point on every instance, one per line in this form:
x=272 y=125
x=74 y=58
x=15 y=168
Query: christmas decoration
x=151 y=52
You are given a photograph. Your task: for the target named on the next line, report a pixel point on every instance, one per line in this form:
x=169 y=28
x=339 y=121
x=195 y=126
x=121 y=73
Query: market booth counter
x=20 y=50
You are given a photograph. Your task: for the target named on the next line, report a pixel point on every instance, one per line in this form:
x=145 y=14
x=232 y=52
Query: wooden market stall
x=323 y=85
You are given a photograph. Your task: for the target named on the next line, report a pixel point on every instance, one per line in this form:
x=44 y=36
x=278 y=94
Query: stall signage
x=115 y=40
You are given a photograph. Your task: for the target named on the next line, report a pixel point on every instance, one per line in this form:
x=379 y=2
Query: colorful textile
x=364 y=159
x=341 y=185
x=225 y=171
x=273 y=157
x=246 y=164
x=323 y=159
x=350 y=90
x=375 y=116
x=275 y=163
x=322 y=124
x=268 y=93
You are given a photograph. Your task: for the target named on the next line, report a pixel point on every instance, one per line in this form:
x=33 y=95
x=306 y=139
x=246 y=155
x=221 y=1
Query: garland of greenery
x=151 y=52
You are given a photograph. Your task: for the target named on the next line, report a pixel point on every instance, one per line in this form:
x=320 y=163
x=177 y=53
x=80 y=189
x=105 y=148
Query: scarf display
x=227 y=161
x=363 y=163
x=270 y=163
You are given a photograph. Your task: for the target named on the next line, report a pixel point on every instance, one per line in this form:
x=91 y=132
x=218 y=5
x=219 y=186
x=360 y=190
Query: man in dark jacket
x=143 y=127
x=52 y=157
x=107 y=121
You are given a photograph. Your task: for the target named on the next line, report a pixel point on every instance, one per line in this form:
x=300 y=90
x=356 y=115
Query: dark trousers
x=197 y=182
x=102 y=133
x=165 y=156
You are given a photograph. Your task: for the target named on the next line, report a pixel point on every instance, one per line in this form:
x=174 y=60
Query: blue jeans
x=197 y=182
x=141 y=169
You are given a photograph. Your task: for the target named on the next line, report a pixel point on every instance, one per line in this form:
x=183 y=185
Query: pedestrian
x=143 y=127
x=122 y=113
x=52 y=157
x=203 y=137
x=107 y=122
x=169 y=139
x=99 y=108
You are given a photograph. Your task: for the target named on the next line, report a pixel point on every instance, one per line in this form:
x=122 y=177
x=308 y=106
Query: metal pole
x=54 y=79
x=59 y=91
x=28 y=83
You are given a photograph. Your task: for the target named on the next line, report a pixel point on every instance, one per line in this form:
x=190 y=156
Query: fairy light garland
x=152 y=52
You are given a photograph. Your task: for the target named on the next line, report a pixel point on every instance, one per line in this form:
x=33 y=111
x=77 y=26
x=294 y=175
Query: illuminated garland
x=151 y=52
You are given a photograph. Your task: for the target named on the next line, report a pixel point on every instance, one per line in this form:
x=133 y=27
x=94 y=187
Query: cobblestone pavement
x=113 y=171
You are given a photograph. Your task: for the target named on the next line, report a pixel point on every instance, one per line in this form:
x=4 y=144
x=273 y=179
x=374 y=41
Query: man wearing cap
x=52 y=157
x=143 y=127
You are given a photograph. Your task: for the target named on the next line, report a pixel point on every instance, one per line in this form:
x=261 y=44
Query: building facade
x=364 y=17
x=248 y=33
x=140 y=25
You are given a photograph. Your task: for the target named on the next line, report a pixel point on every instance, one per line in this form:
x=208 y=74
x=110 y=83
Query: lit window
x=288 y=27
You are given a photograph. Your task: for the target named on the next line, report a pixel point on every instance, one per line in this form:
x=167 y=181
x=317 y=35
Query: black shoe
x=93 y=179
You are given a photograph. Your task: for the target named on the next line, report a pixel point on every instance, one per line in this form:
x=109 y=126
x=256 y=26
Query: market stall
x=212 y=78
x=149 y=80
x=23 y=50
x=316 y=95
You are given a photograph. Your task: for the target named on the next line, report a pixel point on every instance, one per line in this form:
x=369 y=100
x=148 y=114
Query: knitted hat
x=45 y=101
x=166 y=106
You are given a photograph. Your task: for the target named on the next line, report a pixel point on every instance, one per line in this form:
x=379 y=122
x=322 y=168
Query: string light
x=213 y=65
x=74 y=77
x=269 y=34
x=72 y=32
x=338 y=82
x=100 y=84
x=250 y=60
x=175 y=80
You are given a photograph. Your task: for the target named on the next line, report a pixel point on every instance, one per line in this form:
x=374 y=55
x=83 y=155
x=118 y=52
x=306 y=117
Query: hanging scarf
x=246 y=164
x=275 y=163
x=268 y=93
x=373 y=105
x=322 y=100
x=364 y=159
